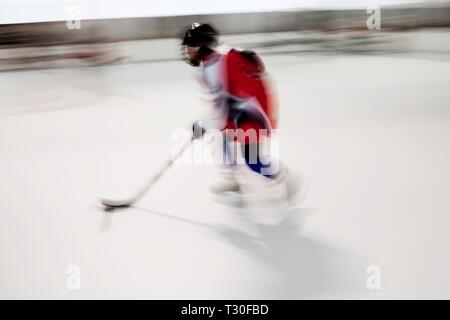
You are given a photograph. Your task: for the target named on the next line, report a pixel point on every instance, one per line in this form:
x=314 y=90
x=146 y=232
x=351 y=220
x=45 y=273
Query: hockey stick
x=128 y=202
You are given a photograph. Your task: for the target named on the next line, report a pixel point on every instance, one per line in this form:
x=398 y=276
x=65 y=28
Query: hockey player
x=245 y=109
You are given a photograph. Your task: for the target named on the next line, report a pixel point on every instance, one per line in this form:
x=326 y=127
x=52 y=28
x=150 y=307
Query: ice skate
x=227 y=184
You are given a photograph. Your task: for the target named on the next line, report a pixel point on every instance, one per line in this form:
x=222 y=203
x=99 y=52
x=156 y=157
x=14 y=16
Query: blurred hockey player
x=244 y=111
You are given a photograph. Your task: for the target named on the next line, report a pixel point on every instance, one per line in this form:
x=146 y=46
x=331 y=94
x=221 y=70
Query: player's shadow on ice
x=303 y=267
x=298 y=266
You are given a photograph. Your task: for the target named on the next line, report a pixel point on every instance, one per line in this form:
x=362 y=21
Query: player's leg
x=273 y=174
x=227 y=174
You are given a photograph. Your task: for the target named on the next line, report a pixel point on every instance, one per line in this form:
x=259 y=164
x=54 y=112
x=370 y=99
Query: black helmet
x=201 y=36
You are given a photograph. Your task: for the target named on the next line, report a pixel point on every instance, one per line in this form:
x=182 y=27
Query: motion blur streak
x=364 y=113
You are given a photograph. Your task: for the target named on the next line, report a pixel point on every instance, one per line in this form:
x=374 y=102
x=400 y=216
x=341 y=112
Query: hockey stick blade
x=116 y=203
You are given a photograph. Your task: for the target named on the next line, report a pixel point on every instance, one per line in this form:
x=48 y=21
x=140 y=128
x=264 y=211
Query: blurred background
x=65 y=33
x=91 y=92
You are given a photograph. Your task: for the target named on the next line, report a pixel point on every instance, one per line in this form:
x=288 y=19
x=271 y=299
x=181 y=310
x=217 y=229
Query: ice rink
x=370 y=129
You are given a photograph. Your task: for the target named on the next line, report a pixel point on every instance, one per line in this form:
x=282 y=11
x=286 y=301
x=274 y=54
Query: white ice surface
x=372 y=133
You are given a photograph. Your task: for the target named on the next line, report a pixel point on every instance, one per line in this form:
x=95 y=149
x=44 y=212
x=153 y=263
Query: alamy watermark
x=373 y=281
x=73 y=17
x=230 y=147
x=373 y=22
x=73 y=281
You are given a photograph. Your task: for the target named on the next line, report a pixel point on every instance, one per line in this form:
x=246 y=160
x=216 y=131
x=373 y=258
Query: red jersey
x=242 y=96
